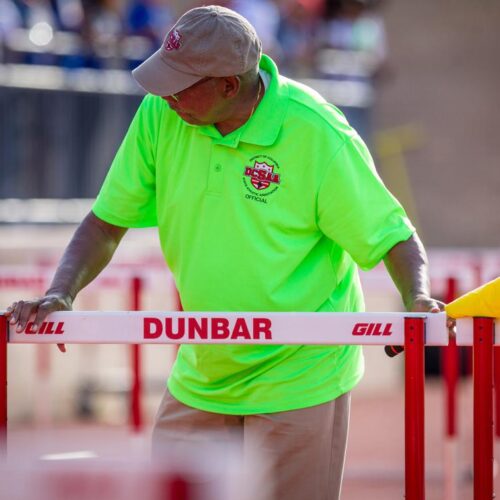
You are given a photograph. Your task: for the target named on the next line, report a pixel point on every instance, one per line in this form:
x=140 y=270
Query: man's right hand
x=23 y=311
x=88 y=252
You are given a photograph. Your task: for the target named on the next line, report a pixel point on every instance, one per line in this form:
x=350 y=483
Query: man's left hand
x=422 y=303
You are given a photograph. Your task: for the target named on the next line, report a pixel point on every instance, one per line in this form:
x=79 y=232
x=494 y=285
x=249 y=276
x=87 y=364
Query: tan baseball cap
x=205 y=41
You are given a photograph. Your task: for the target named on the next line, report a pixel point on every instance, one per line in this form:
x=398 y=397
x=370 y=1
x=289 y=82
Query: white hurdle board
x=144 y=327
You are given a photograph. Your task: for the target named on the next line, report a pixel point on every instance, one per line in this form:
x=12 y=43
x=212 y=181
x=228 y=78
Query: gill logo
x=383 y=329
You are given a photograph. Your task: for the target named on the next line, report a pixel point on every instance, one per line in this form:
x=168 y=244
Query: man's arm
x=88 y=252
x=407 y=265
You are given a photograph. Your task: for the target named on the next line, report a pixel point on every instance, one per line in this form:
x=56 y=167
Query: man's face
x=199 y=104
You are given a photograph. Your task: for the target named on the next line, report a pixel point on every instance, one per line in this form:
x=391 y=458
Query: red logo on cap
x=173 y=41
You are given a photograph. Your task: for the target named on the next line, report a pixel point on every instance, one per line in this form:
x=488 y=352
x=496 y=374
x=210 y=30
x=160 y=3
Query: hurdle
x=413 y=330
x=129 y=278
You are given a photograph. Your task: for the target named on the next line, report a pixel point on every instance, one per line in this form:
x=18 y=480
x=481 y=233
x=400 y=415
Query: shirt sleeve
x=356 y=210
x=128 y=195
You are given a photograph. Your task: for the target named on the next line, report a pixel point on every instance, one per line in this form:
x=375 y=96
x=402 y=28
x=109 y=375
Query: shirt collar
x=263 y=127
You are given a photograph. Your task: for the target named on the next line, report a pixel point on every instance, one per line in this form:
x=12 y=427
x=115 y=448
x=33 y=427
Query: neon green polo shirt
x=272 y=217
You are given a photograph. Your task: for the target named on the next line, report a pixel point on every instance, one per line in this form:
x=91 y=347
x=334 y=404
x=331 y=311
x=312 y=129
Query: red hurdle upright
x=496 y=384
x=414 y=409
x=136 y=419
x=483 y=407
x=450 y=370
x=450 y=360
x=3 y=383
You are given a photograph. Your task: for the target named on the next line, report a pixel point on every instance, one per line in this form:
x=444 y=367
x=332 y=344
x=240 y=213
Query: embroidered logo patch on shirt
x=261 y=179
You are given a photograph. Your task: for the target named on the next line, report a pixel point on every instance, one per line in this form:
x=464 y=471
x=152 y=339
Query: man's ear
x=231 y=86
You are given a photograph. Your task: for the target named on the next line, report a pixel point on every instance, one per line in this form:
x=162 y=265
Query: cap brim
x=155 y=76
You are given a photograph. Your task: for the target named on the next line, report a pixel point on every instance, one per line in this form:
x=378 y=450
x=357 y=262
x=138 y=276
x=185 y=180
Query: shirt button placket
x=216 y=178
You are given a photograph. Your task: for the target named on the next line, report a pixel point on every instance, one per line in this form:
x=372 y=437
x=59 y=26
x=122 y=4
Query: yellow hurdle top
x=482 y=301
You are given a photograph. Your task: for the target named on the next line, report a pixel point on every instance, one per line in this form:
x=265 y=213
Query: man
x=266 y=200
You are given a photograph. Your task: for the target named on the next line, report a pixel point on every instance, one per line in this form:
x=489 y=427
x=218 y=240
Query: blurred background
x=420 y=82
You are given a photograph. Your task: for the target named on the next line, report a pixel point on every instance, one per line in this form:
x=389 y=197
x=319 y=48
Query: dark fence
x=60 y=129
x=59 y=144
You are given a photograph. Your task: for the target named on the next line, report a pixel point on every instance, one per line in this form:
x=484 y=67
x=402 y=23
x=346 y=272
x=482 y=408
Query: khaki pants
x=304 y=449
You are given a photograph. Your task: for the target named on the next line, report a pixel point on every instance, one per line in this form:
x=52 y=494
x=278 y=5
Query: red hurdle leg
x=177 y=307
x=496 y=378
x=450 y=369
x=450 y=363
x=136 y=391
x=483 y=408
x=3 y=384
x=414 y=408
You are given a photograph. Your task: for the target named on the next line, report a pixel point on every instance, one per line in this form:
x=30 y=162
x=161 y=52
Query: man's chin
x=189 y=118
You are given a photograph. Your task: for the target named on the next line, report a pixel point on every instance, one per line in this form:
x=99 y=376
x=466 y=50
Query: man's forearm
x=88 y=252
x=407 y=265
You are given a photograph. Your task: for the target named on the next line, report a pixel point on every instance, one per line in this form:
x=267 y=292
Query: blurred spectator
x=39 y=18
x=352 y=49
x=102 y=31
x=69 y=14
x=299 y=20
x=353 y=25
x=10 y=17
x=264 y=15
x=148 y=18
x=37 y=11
